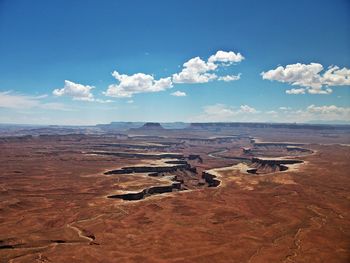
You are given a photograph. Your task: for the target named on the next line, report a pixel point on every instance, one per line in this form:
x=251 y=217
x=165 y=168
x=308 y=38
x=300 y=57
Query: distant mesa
x=119 y=126
x=152 y=126
x=148 y=127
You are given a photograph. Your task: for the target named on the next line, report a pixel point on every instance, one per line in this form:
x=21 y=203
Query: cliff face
x=152 y=126
x=210 y=179
x=149 y=169
x=264 y=166
x=149 y=126
x=275 y=161
x=141 y=155
x=148 y=192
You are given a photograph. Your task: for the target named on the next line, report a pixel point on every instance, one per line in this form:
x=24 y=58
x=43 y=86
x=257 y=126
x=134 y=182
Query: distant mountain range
x=122 y=127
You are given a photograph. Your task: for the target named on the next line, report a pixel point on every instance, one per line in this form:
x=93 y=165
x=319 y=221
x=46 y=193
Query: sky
x=88 y=62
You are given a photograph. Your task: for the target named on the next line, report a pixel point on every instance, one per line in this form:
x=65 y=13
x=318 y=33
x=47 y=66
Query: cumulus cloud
x=335 y=76
x=196 y=70
x=310 y=76
x=296 y=74
x=226 y=58
x=178 y=94
x=138 y=83
x=76 y=91
x=295 y=91
x=228 y=78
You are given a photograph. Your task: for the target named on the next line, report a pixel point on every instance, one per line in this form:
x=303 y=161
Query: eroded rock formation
x=132 y=196
x=210 y=179
x=269 y=165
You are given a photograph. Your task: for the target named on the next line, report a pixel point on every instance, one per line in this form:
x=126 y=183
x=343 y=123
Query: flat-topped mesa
x=215 y=139
x=165 y=155
x=152 y=126
x=134 y=146
x=153 y=169
x=277 y=144
x=147 y=129
x=274 y=161
x=297 y=149
x=270 y=165
x=132 y=196
x=141 y=155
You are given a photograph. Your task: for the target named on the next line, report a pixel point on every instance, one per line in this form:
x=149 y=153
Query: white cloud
x=247 y=109
x=219 y=112
x=103 y=101
x=16 y=101
x=295 y=91
x=138 y=83
x=310 y=77
x=130 y=101
x=54 y=106
x=296 y=74
x=285 y=108
x=272 y=112
x=335 y=76
x=332 y=109
x=222 y=112
x=76 y=91
x=228 y=78
x=197 y=70
x=8 y=100
x=320 y=91
x=226 y=58
x=315 y=113
x=178 y=94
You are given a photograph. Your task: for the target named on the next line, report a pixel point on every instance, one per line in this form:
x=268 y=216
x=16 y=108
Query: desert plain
x=202 y=193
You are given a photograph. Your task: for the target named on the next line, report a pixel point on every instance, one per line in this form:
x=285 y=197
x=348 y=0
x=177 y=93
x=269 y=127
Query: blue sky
x=294 y=64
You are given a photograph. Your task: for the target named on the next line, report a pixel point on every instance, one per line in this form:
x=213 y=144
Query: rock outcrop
x=268 y=165
x=150 y=126
x=153 y=169
x=210 y=179
x=141 y=155
x=132 y=196
x=276 y=161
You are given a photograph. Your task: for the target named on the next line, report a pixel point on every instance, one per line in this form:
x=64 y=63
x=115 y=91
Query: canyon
x=217 y=192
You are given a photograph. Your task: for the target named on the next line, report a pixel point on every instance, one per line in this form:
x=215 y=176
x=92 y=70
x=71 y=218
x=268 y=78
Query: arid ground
x=200 y=194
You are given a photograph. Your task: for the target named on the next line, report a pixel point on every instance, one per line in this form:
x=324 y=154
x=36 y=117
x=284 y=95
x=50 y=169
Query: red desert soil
x=54 y=205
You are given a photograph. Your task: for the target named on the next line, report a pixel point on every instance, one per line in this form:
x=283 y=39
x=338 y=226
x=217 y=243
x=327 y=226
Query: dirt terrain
x=199 y=194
